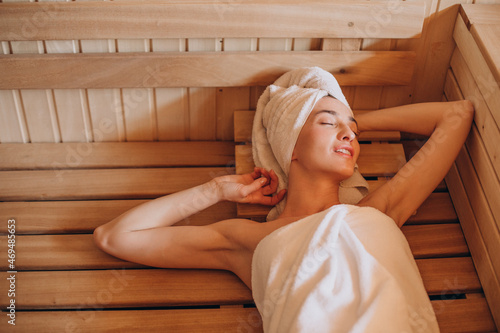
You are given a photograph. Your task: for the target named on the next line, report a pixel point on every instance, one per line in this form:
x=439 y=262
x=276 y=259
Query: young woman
x=324 y=155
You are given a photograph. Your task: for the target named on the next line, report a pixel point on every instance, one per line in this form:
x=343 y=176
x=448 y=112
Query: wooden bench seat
x=94 y=121
x=54 y=245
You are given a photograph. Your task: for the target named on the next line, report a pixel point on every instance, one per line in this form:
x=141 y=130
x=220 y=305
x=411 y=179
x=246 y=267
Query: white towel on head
x=282 y=110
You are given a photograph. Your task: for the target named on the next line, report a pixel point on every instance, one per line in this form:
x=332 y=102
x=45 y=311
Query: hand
x=258 y=187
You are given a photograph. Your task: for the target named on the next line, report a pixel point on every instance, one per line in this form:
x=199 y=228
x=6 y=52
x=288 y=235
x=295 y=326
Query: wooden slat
x=479 y=68
x=454 y=315
x=436 y=240
x=132 y=321
x=488 y=40
x=209 y=19
x=243 y=122
x=482 y=14
x=482 y=259
x=114 y=155
x=483 y=117
x=437 y=208
x=443 y=276
x=374 y=160
x=486 y=222
x=80 y=252
x=463 y=315
x=101 y=183
x=167 y=287
x=188 y=69
x=56 y=217
x=125 y=288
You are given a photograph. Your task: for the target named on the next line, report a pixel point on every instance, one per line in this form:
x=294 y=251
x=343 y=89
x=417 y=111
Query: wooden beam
x=57 y=217
x=189 y=69
x=479 y=252
x=145 y=320
x=485 y=80
x=170 y=287
x=210 y=19
x=86 y=155
x=79 y=251
x=463 y=315
x=101 y=183
x=453 y=315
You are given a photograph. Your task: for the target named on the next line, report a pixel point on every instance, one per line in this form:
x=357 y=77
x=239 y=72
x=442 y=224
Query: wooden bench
x=81 y=145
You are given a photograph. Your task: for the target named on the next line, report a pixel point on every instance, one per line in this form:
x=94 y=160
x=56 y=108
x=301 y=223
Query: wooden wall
x=205 y=113
x=474 y=180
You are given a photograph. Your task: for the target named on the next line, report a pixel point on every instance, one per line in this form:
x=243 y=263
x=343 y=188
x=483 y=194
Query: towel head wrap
x=282 y=110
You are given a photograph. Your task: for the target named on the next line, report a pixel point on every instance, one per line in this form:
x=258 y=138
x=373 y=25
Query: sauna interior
x=107 y=104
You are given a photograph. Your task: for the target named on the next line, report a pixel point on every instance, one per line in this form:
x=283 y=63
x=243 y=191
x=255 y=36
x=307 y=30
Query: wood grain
x=169 y=287
x=142 y=19
x=189 y=69
x=101 y=183
x=86 y=155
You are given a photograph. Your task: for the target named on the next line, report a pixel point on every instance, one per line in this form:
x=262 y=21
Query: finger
x=272 y=184
x=256 y=173
x=253 y=187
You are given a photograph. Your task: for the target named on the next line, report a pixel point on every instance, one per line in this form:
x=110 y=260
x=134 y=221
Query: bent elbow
x=101 y=238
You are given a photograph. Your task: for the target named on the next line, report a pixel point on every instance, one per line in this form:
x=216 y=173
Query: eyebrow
x=336 y=114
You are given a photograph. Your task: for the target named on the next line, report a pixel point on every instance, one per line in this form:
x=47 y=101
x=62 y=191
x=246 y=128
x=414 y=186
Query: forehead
x=330 y=103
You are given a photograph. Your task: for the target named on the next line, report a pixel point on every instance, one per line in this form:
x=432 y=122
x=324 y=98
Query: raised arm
x=144 y=234
x=447 y=124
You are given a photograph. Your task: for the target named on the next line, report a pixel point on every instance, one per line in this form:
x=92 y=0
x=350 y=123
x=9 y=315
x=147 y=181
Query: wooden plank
x=481 y=14
x=483 y=117
x=56 y=217
x=374 y=160
x=101 y=183
x=490 y=229
x=437 y=208
x=86 y=155
x=487 y=39
x=434 y=50
x=454 y=315
x=436 y=240
x=463 y=315
x=243 y=123
x=478 y=66
x=125 y=288
x=131 y=321
x=79 y=251
x=205 y=20
x=168 y=287
x=188 y=69
x=479 y=253
x=443 y=276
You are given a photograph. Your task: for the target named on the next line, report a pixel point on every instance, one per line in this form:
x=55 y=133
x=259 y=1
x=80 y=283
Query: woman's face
x=327 y=142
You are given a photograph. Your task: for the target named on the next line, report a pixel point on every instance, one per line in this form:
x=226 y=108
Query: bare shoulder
x=243 y=234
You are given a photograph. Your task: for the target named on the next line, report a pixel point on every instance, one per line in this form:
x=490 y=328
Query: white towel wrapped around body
x=282 y=111
x=346 y=269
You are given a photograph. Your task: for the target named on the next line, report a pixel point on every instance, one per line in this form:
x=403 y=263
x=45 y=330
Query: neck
x=308 y=195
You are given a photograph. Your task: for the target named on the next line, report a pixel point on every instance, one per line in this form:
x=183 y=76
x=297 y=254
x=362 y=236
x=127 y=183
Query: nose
x=346 y=134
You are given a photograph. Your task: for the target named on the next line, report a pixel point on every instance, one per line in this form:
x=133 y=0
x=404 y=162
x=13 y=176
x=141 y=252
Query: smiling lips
x=345 y=150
